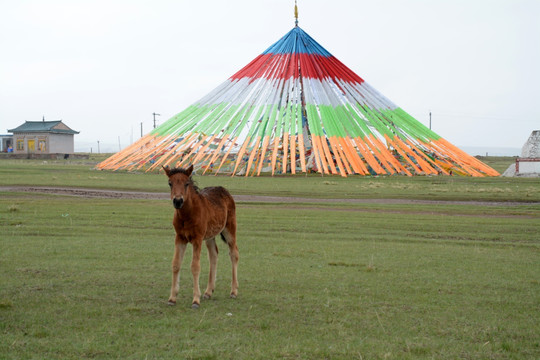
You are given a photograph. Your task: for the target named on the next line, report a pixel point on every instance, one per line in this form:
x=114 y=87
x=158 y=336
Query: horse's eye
x=170 y=184
x=186 y=185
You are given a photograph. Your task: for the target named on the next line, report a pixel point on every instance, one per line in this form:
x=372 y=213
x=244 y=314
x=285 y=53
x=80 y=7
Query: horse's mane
x=177 y=170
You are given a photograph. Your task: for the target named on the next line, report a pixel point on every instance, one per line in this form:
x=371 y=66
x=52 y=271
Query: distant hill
x=491 y=151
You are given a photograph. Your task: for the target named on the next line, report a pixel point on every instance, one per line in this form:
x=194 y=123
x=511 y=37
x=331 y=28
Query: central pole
x=155 y=118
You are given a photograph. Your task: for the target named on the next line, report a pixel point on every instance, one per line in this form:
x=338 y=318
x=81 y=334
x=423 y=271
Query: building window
x=42 y=145
x=20 y=144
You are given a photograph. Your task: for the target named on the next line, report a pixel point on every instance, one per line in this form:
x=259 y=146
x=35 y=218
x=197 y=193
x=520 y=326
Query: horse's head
x=179 y=182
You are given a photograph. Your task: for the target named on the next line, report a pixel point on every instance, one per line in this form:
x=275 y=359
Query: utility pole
x=98 y=147
x=430 y=120
x=141 y=129
x=155 y=118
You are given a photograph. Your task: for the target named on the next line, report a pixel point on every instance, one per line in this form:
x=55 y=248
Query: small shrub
x=371 y=266
x=6 y=305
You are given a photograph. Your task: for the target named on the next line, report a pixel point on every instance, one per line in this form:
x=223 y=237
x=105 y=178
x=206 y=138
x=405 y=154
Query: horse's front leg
x=196 y=270
x=179 y=251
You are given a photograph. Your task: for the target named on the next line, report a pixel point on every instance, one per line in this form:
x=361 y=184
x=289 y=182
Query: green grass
x=89 y=278
x=499 y=163
x=82 y=174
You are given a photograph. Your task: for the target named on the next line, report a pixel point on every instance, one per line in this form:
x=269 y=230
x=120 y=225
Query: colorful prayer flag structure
x=296 y=109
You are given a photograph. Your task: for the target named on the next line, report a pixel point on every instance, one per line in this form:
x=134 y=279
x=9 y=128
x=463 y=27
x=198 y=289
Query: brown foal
x=201 y=215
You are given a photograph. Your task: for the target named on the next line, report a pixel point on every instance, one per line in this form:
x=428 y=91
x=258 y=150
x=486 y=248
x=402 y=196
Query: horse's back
x=219 y=196
x=221 y=212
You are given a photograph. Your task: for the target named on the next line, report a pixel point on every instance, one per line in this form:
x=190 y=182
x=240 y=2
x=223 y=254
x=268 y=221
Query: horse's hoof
x=171 y=303
x=233 y=296
x=207 y=297
x=195 y=306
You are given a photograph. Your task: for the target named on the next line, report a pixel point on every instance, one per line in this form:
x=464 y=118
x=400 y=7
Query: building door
x=31 y=146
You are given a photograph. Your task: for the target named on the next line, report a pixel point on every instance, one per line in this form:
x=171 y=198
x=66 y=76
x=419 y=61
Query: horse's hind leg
x=229 y=234
x=213 y=259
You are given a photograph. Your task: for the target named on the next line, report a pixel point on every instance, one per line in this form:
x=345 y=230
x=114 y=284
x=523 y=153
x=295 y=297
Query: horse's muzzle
x=178 y=202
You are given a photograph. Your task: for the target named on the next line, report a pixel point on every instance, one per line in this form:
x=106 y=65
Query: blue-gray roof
x=55 y=127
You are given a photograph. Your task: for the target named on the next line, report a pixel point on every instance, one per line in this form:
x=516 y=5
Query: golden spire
x=295 y=13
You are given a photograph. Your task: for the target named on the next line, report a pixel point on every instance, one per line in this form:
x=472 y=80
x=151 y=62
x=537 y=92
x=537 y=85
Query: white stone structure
x=528 y=164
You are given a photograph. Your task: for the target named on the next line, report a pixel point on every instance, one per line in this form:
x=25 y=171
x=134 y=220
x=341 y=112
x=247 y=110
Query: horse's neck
x=191 y=208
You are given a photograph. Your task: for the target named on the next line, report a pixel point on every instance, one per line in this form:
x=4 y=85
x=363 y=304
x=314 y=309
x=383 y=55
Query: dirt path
x=119 y=194
x=302 y=203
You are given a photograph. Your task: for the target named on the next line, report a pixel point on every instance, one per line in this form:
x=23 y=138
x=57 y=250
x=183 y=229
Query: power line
x=473 y=116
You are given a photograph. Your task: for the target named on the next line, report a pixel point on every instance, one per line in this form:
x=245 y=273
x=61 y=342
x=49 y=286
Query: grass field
x=81 y=174
x=89 y=278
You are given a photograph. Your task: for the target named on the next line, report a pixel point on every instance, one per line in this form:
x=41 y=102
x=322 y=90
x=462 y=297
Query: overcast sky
x=104 y=66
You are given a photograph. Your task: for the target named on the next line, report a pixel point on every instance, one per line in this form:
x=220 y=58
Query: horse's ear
x=189 y=170
x=167 y=170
